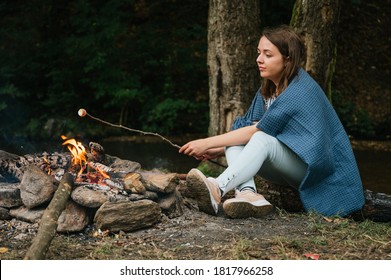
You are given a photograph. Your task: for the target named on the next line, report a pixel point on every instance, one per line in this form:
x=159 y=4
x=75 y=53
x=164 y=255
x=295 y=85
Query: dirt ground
x=198 y=236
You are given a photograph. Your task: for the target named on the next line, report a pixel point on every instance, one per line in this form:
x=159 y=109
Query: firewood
x=48 y=223
x=132 y=183
x=161 y=183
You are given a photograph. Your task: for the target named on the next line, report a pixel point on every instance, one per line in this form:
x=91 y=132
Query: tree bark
x=48 y=225
x=317 y=22
x=233 y=34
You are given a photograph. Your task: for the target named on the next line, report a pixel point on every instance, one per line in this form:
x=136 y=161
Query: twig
x=83 y=113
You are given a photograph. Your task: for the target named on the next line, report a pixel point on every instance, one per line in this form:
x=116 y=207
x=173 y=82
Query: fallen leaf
x=3 y=250
x=312 y=256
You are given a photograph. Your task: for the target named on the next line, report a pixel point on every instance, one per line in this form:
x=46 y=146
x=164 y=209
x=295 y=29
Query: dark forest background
x=142 y=64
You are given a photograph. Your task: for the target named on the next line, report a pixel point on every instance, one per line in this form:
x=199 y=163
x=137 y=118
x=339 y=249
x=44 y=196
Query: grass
x=324 y=238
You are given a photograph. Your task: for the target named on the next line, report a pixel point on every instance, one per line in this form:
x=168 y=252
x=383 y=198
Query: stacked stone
x=145 y=197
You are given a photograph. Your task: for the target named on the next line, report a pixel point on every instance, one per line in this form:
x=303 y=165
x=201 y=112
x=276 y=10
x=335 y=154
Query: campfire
x=105 y=189
x=92 y=174
x=66 y=192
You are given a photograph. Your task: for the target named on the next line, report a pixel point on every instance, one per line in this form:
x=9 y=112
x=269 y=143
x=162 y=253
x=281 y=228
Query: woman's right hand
x=196 y=148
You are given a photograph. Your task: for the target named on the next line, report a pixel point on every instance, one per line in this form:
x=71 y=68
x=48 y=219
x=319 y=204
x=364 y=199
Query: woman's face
x=270 y=61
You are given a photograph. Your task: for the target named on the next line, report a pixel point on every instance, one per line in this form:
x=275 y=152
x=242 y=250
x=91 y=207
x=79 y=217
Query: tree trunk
x=48 y=225
x=233 y=34
x=317 y=22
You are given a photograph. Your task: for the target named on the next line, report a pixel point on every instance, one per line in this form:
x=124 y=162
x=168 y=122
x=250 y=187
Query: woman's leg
x=266 y=154
x=231 y=154
x=262 y=153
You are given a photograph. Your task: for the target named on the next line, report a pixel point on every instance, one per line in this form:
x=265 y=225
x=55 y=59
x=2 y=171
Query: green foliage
x=118 y=59
x=210 y=169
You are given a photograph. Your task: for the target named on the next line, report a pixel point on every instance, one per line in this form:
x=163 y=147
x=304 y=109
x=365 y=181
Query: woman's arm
x=199 y=147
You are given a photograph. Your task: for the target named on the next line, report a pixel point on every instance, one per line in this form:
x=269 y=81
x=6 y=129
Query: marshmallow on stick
x=82 y=112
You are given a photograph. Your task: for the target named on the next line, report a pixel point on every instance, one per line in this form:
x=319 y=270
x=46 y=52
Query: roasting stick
x=83 y=112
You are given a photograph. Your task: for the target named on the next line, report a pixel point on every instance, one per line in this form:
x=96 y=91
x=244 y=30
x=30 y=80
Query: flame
x=78 y=152
x=48 y=165
x=104 y=174
x=99 y=169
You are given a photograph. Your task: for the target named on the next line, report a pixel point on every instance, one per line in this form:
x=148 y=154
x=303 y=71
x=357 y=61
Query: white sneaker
x=206 y=191
x=247 y=204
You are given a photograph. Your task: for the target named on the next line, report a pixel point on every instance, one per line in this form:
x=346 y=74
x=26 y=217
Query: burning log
x=104 y=169
x=48 y=224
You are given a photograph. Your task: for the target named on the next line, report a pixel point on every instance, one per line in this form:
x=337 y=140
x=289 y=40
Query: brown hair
x=292 y=49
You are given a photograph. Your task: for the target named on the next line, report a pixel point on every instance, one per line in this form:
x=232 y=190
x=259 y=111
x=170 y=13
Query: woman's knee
x=262 y=138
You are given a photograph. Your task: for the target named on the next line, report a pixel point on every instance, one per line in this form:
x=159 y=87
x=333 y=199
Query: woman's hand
x=205 y=147
x=195 y=148
x=213 y=153
x=198 y=149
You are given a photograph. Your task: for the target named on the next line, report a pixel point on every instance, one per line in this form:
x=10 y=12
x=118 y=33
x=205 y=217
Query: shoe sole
x=196 y=183
x=244 y=209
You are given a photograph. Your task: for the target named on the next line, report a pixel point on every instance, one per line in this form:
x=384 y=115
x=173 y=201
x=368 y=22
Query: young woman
x=290 y=135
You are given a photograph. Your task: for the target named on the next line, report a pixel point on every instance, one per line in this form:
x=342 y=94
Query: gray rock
x=28 y=215
x=36 y=187
x=88 y=198
x=127 y=215
x=74 y=218
x=5 y=214
x=10 y=195
x=171 y=204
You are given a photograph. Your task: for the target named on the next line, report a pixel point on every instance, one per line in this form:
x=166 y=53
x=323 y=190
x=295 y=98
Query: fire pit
x=108 y=192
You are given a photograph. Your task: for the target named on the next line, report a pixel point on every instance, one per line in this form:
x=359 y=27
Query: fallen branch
x=48 y=225
x=83 y=113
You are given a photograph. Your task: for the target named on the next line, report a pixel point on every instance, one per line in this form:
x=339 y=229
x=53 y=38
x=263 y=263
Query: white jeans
x=264 y=153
